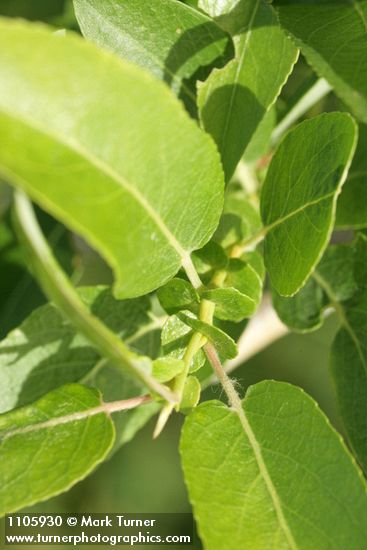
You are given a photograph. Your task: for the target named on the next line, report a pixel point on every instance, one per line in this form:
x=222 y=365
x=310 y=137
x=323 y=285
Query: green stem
x=197 y=341
x=319 y=90
x=59 y=290
x=191 y=272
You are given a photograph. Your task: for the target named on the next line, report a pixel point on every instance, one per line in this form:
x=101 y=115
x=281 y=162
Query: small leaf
x=210 y=257
x=274 y=474
x=191 y=394
x=241 y=292
x=246 y=275
x=167 y=38
x=230 y=304
x=224 y=344
x=333 y=38
x=166 y=368
x=175 y=338
x=239 y=221
x=50 y=445
x=177 y=294
x=303 y=311
x=298 y=198
x=233 y=100
x=107 y=194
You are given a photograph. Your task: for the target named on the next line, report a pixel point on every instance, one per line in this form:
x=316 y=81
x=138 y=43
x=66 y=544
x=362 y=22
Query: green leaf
x=230 y=304
x=48 y=446
x=42 y=10
x=210 y=257
x=336 y=273
x=333 y=38
x=340 y=281
x=120 y=162
x=240 y=219
x=349 y=357
x=299 y=196
x=223 y=343
x=175 y=338
x=256 y=480
x=352 y=204
x=191 y=394
x=303 y=311
x=246 y=275
x=241 y=292
x=234 y=100
x=166 y=368
x=169 y=39
x=45 y=351
x=349 y=371
x=177 y=294
x=216 y=8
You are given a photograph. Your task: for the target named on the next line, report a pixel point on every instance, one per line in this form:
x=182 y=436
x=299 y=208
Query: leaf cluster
x=153 y=137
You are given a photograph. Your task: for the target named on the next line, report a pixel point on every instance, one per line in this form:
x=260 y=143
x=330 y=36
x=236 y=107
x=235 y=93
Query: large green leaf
x=276 y=475
x=48 y=446
x=333 y=37
x=298 y=199
x=99 y=144
x=352 y=203
x=233 y=101
x=169 y=39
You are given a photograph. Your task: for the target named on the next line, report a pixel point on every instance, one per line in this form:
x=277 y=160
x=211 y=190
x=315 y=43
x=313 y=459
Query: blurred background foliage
x=145 y=475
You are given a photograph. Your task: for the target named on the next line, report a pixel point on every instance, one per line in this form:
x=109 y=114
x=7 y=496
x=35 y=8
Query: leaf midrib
x=102 y=166
x=53 y=422
x=303 y=207
x=265 y=474
x=104 y=408
x=238 y=71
